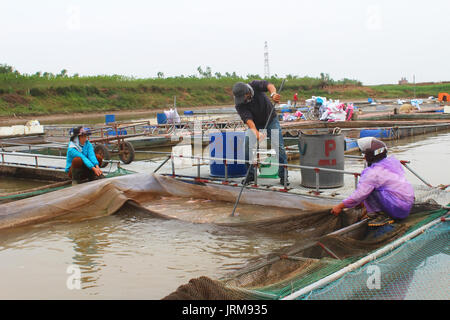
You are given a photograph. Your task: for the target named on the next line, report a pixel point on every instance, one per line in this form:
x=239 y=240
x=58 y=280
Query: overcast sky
x=373 y=41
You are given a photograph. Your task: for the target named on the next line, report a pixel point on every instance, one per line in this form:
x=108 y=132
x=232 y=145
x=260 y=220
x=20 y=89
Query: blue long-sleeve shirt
x=87 y=155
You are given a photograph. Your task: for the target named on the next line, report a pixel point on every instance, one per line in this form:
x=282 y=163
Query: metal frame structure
x=170 y=156
x=36 y=156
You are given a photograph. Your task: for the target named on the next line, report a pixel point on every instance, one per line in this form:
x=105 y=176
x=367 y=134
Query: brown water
x=208 y=211
x=429 y=156
x=8 y=184
x=129 y=256
x=122 y=256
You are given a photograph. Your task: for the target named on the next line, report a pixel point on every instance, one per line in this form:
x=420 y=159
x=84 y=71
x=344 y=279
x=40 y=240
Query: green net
x=28 y=194
x=119 y=172
x=282 y=273
x=416 y=270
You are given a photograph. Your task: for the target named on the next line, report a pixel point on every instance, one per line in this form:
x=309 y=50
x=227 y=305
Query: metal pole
x=413 y=172
x=226 y=171
x=317 y=180
x=173 y=165
x=163 y=163
x=285 y=177
x=198 y=167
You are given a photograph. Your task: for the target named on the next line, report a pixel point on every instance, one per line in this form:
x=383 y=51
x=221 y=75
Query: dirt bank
x=79 y=117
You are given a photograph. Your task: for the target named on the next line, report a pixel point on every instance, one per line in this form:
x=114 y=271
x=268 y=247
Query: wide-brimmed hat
x=371 y=145
x=373 y=149
x=79 y=131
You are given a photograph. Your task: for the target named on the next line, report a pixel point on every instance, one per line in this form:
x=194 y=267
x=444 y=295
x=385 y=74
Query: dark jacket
x=259 y=108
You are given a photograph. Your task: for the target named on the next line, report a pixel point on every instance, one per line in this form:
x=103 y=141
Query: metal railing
x=146 y=127
x=318 y=170
x=37 y=156
x=170 y=156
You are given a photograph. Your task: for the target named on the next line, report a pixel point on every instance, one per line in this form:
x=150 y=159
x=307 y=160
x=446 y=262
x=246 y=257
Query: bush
x=36 y=92
x=91 y=90
x=62 y=91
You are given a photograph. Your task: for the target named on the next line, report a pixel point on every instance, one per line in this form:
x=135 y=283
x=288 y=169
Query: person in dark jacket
x=256 y=110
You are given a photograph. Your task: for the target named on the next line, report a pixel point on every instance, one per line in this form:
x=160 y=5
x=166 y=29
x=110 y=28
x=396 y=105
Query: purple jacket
x=383 y=186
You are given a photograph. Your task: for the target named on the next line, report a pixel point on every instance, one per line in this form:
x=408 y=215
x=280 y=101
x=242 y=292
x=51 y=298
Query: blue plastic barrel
x=227 y=145
x=110 y=118
x=161 y=118
x=189 y=113
x=120 y=132
x=377 y=133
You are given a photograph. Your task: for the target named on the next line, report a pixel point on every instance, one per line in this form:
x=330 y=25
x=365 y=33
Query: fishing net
x=313 y=258
x=416 y=270
x=119 y=172
x=425 y=194
x=324 y=244
x=106 y=196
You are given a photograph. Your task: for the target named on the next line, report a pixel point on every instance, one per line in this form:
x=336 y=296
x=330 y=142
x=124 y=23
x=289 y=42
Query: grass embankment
x=38 y=95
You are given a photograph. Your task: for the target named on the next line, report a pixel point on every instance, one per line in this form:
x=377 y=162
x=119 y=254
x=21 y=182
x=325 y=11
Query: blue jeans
x=277 y=144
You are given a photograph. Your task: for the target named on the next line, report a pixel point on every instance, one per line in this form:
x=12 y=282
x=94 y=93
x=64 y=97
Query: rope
x=337 y=130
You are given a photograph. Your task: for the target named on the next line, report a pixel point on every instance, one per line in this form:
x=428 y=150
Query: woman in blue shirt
x=82 y=163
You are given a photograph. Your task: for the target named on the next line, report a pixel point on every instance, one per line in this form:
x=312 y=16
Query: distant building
x=403 y=81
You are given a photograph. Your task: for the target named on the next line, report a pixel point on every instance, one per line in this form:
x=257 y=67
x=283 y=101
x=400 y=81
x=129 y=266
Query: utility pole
x=266 y=61
x=414 y=80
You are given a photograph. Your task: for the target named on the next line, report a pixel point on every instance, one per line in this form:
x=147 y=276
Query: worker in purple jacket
x=383 y=188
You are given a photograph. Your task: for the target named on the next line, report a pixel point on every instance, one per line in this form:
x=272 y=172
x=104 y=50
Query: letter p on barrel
x=330 y=145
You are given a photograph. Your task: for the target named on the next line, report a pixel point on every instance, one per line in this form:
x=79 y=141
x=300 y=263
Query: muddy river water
x=129 y=256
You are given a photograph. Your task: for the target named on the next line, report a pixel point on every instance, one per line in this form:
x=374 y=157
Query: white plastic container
x=447 y=109
x=18 y=130
x=5 y=131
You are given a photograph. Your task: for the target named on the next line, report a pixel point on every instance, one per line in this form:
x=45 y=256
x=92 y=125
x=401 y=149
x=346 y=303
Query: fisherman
x=82 y=164
x=383 y=188
x=295 y=99
x=255 y=109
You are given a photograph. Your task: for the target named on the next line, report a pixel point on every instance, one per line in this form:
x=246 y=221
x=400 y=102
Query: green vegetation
x=46 y=93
